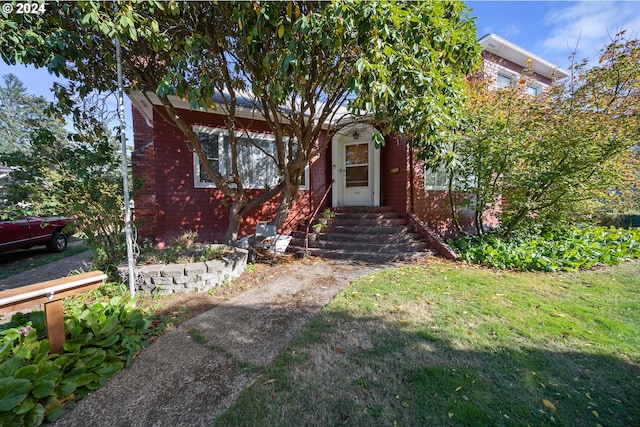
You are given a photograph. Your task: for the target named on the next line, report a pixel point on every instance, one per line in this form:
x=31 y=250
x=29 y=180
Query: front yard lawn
x=451 y=344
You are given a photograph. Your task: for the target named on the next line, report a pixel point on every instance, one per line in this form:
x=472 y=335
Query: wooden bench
x=50 y=294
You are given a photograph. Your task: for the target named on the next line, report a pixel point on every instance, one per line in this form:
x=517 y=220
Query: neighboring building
x=506 y=61
x=503 y=62
x=177 y=196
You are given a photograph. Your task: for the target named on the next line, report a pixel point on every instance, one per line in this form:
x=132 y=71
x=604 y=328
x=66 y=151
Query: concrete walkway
x=180 y=382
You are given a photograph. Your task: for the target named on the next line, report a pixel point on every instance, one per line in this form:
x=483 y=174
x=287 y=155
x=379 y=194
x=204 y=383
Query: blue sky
x=551 y=29
x=547 y=28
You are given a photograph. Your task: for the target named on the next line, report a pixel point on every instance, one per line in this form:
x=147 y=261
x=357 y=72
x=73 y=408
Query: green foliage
x=79 y=178
x=182 y=249
x=543 y=159
x=36 y=385
x=300 y=63
x=566 y=249
x=413 y=60
x=21 y=114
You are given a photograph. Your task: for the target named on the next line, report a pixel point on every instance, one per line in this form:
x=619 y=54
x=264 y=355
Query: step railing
x=310 y=220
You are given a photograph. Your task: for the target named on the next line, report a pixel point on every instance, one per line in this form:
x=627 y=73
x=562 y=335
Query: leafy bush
x=568 y=250
x=36 y=385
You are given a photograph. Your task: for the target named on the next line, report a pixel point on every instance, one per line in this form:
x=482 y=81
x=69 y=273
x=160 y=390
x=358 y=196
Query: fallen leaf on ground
x=550 y=406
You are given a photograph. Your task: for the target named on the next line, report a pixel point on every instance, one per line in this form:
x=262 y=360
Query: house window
x=256 y=167
x=436 y=180
x=533 y=90
x=504 y=80
x=439 y=180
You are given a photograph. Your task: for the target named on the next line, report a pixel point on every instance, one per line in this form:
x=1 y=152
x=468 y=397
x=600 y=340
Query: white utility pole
x=125 y=175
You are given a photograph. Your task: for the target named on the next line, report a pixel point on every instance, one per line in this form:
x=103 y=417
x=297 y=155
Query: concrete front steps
x=375 y=234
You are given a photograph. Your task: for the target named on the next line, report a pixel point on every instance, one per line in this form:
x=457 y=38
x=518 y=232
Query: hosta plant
x=568 y=250
x=36 y=385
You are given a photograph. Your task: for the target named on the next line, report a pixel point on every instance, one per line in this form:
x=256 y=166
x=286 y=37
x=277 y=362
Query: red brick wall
x=433 y=207
x=490 y=59
x=430 y=206
x=395 y=185
x=320 y=178
x=182 y=207
x=143 y=168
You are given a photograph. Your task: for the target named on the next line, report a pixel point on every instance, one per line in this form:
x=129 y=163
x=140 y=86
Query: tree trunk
x=452 y=206
x=479 y=223
x=511 y=225
x=235 y=216
x=289 y=196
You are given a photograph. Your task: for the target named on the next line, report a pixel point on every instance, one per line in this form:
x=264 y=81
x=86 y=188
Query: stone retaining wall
x=191 y=277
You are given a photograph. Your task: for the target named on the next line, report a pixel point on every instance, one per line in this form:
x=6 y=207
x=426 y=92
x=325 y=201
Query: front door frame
x=351 y=134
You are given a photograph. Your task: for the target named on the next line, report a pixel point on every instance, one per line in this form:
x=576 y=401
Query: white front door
x=355 y=168
x=357 y=182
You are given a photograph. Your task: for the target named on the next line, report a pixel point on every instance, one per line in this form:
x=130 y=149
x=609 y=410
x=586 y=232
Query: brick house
x=177 y=196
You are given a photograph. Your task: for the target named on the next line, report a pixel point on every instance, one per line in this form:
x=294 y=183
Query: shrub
x=36 y=385
x=568 y=250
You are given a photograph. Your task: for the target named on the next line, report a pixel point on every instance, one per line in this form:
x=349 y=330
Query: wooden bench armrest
x=52 y=290
x=50 y=294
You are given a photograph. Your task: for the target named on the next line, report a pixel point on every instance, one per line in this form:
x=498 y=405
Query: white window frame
x=504 y=75
x=220 y=133
x=431 y=178
x=535 y=87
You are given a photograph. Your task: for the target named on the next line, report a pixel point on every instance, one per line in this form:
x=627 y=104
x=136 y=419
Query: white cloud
x=589 y=25
x=510 y=30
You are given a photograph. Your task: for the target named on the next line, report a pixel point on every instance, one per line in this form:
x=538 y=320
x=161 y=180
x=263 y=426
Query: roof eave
x=514 y=53
x=145 y=102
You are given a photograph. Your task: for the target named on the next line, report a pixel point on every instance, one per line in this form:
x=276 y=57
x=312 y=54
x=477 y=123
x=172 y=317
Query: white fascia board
x=514 y=53
x=145 y=102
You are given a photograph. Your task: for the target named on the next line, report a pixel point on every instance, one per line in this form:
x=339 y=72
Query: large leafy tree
x=398 y=63
x=543 y=159
x=21 y=114
x=79 y=177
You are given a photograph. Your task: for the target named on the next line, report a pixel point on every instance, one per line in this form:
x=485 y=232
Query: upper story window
x=504 y=80
x=533 y=90
x=256 y=167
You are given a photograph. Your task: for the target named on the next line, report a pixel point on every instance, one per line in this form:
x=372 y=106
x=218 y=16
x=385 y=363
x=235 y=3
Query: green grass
x=447 y=344
x=20 y=261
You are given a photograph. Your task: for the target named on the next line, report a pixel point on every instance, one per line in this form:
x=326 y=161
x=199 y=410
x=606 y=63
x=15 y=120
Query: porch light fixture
x=356 y=134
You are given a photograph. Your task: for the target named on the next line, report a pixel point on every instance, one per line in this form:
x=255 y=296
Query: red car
x=26 y=232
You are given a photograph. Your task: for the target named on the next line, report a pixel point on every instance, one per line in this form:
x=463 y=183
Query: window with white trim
x=436 y=179
x=439 y=180
x=533 y=90
x=256 y=166
x=504 y=80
